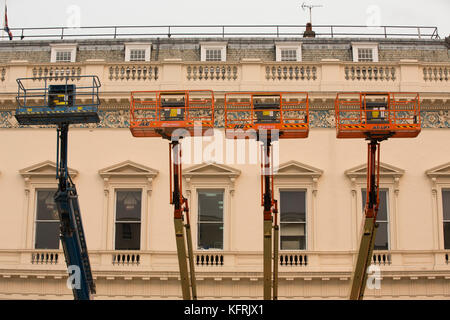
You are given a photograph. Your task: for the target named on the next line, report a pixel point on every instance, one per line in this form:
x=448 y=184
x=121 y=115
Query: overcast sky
x=45 y=13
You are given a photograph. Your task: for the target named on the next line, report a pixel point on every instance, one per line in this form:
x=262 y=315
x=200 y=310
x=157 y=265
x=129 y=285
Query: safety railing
x=114 y=32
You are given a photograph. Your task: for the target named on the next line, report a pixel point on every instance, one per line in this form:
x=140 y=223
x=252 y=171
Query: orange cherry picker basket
x=246 y=113
x=383 y=114
x=160 y=113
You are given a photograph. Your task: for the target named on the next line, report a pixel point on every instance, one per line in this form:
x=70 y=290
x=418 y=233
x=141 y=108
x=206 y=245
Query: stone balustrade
x=287 y=72
x=211 y=72
x=320 y=262
x=252 y=75
x=436 y=73
x=370 y=72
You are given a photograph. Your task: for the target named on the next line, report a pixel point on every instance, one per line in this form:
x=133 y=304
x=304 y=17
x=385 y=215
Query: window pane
x=210 y=236
x=292 y=206
x=47 y=235
x=381 y=239
x=128 y=236
x=382 y=209
x=289 y=55
x=210 y=205
x=292 y=236
x=446 y=235
x=128 y=206
x=46 y=206
x=213 y=55
x=446 y=204
x=365 y=55
x=137 y=55
x=63 y=56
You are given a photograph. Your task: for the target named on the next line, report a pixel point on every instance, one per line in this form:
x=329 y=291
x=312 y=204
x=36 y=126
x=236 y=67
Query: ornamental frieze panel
x=318 y=119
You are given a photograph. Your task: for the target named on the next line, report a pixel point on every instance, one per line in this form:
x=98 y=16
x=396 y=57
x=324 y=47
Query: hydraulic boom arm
x=180 y=204
x=270 y=222
x=370 y=227
x=72 y=234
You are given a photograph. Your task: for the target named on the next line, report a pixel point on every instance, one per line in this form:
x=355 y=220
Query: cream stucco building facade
x=108 y=165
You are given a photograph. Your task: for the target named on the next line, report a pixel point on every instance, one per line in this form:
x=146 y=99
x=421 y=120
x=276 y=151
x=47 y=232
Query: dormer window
x=63 y=53
x=213 y=51
x=288 y=51
x=137 y=51
x=365 y=52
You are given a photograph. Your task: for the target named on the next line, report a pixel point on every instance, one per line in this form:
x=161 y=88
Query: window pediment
x=128 y=169
x=296 y=169
x=211 y=173
x=211 y=170
x=386 y=170
x=45 y=169
x=442 y=171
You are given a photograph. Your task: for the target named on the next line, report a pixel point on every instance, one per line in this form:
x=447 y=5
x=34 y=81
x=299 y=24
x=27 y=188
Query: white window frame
x=212 y=176
x=198 y=190
x=36 y=218
x=222 y=46
x=118 y=189
x=365 y=45
x=389 y=181
x=66 y=47
x=40 y=176
x=280 y=46
x=447 y=189
x=296 y=176
x=147 y=46
x=135 y=177
x=280 y=189
x=440 y=180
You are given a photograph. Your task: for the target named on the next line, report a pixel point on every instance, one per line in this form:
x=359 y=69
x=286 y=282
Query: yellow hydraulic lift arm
x=182 y=231
x=370 y=227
